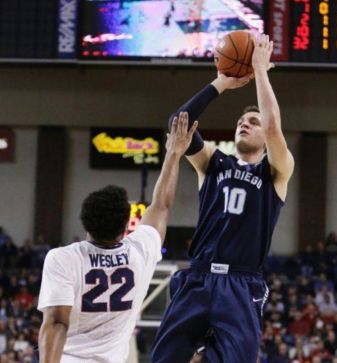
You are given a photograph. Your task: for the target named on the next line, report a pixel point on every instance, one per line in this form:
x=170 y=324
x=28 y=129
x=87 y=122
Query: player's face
x=249 y=136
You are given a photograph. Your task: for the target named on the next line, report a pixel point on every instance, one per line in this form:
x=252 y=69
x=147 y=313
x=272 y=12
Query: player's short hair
x=105 y=213
x=251 y=108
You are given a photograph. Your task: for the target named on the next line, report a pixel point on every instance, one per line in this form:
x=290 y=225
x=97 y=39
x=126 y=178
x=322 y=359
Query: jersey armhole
x=211 y=163
x=272 y=182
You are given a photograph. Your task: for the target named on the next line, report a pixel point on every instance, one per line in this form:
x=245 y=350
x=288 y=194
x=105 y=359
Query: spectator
x=321 y=258
x=25 y=255
x=331 y=243
x=41 y=249
x=328 y=309
x=8 y=253
x=3 y=237
x=310 y=313
x=21 y=343
x=13 y=287
x=33 y=284
x=282 y=356
x=25 y=299
x=3 y=309
x=300 y=358
x=299 y=327
x=12 y=326
x=274 y=301
x=305 y=288
x=4 y=280
x=301 y=348
x=322 y=281
x=320 y=296
x=331 y=343
x=320 y=352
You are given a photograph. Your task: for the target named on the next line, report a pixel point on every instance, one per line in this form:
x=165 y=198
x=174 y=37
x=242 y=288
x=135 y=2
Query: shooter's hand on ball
x=262 y=53
x=180 y=138
x=223 y=82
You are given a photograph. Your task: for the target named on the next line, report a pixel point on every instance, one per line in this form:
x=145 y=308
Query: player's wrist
x=173 y=154
x=219 y=84
x=259 y=68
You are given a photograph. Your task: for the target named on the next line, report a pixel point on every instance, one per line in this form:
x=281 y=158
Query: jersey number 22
x=115 y=303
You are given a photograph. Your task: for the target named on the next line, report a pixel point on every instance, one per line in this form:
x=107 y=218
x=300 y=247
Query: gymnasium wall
x=81 y=96
x=17 y=187
x=331 y=220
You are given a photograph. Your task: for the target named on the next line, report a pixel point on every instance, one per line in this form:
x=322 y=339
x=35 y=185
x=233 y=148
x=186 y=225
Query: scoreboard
x=304 y=31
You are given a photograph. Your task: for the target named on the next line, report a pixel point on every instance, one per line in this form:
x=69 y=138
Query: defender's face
x=249 y=136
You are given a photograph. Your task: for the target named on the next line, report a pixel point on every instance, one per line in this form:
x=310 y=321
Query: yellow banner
x=125 y=145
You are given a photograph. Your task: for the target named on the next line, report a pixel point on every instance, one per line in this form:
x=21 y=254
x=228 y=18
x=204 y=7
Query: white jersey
x=106 y=288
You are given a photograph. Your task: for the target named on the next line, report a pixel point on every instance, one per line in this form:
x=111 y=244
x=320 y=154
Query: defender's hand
x=180 y=138
x=262 y=52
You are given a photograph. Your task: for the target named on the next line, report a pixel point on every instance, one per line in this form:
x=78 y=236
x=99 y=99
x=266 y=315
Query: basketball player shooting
x=92 y=291
x=240 y=200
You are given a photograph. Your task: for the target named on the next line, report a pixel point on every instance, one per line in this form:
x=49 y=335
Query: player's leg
x=236 y=319
x=185 y=321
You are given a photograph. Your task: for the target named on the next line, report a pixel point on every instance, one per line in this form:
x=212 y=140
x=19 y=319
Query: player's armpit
x=200 y=161
x=53 y=333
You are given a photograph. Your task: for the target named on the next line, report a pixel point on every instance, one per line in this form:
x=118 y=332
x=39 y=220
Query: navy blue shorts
x=229 y=305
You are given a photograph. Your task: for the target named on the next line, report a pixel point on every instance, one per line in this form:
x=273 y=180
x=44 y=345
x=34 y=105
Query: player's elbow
x=162 y=207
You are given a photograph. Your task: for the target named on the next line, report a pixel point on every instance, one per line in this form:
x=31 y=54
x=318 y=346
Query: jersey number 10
x=234 y=200
x=116 y=303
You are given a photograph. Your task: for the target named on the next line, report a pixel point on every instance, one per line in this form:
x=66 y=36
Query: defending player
x=92 y=291
x=240 y=201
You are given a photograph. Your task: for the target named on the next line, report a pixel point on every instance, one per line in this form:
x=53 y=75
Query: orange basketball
x=233 y=54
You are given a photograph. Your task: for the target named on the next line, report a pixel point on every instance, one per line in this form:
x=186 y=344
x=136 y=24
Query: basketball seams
x=244 y=57
x=236 y=51
x=226 y=56
x=226 y=69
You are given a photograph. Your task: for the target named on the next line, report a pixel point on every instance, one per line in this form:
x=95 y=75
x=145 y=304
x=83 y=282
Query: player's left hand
x=262 y=53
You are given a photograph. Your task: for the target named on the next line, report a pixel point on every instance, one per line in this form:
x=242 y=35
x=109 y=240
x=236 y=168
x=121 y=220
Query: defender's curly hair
x=105 y=213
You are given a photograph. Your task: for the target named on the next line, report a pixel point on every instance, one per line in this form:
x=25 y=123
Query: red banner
x=279 y=29
x=7 y=144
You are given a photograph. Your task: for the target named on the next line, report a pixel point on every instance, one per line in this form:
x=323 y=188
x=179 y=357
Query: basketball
x=233 y=54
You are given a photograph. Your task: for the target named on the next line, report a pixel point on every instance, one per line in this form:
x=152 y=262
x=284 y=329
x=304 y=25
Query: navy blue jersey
x=239 y=208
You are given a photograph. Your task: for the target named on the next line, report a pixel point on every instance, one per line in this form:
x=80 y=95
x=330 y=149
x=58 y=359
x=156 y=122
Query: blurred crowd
x=300 y=318
x=20 y=278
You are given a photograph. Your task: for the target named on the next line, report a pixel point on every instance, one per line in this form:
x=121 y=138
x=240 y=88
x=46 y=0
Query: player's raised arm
x=178 y=141
x=279 y=157
x=200 y=152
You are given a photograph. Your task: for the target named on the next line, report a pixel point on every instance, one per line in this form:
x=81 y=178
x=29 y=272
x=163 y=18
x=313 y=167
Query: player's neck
x=104 y=243
x=250 y=158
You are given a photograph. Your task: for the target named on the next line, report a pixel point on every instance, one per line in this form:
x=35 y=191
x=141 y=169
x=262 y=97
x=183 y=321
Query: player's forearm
x=166 y=185
x=196 y=105
x=51 y=342
x=269 y=109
